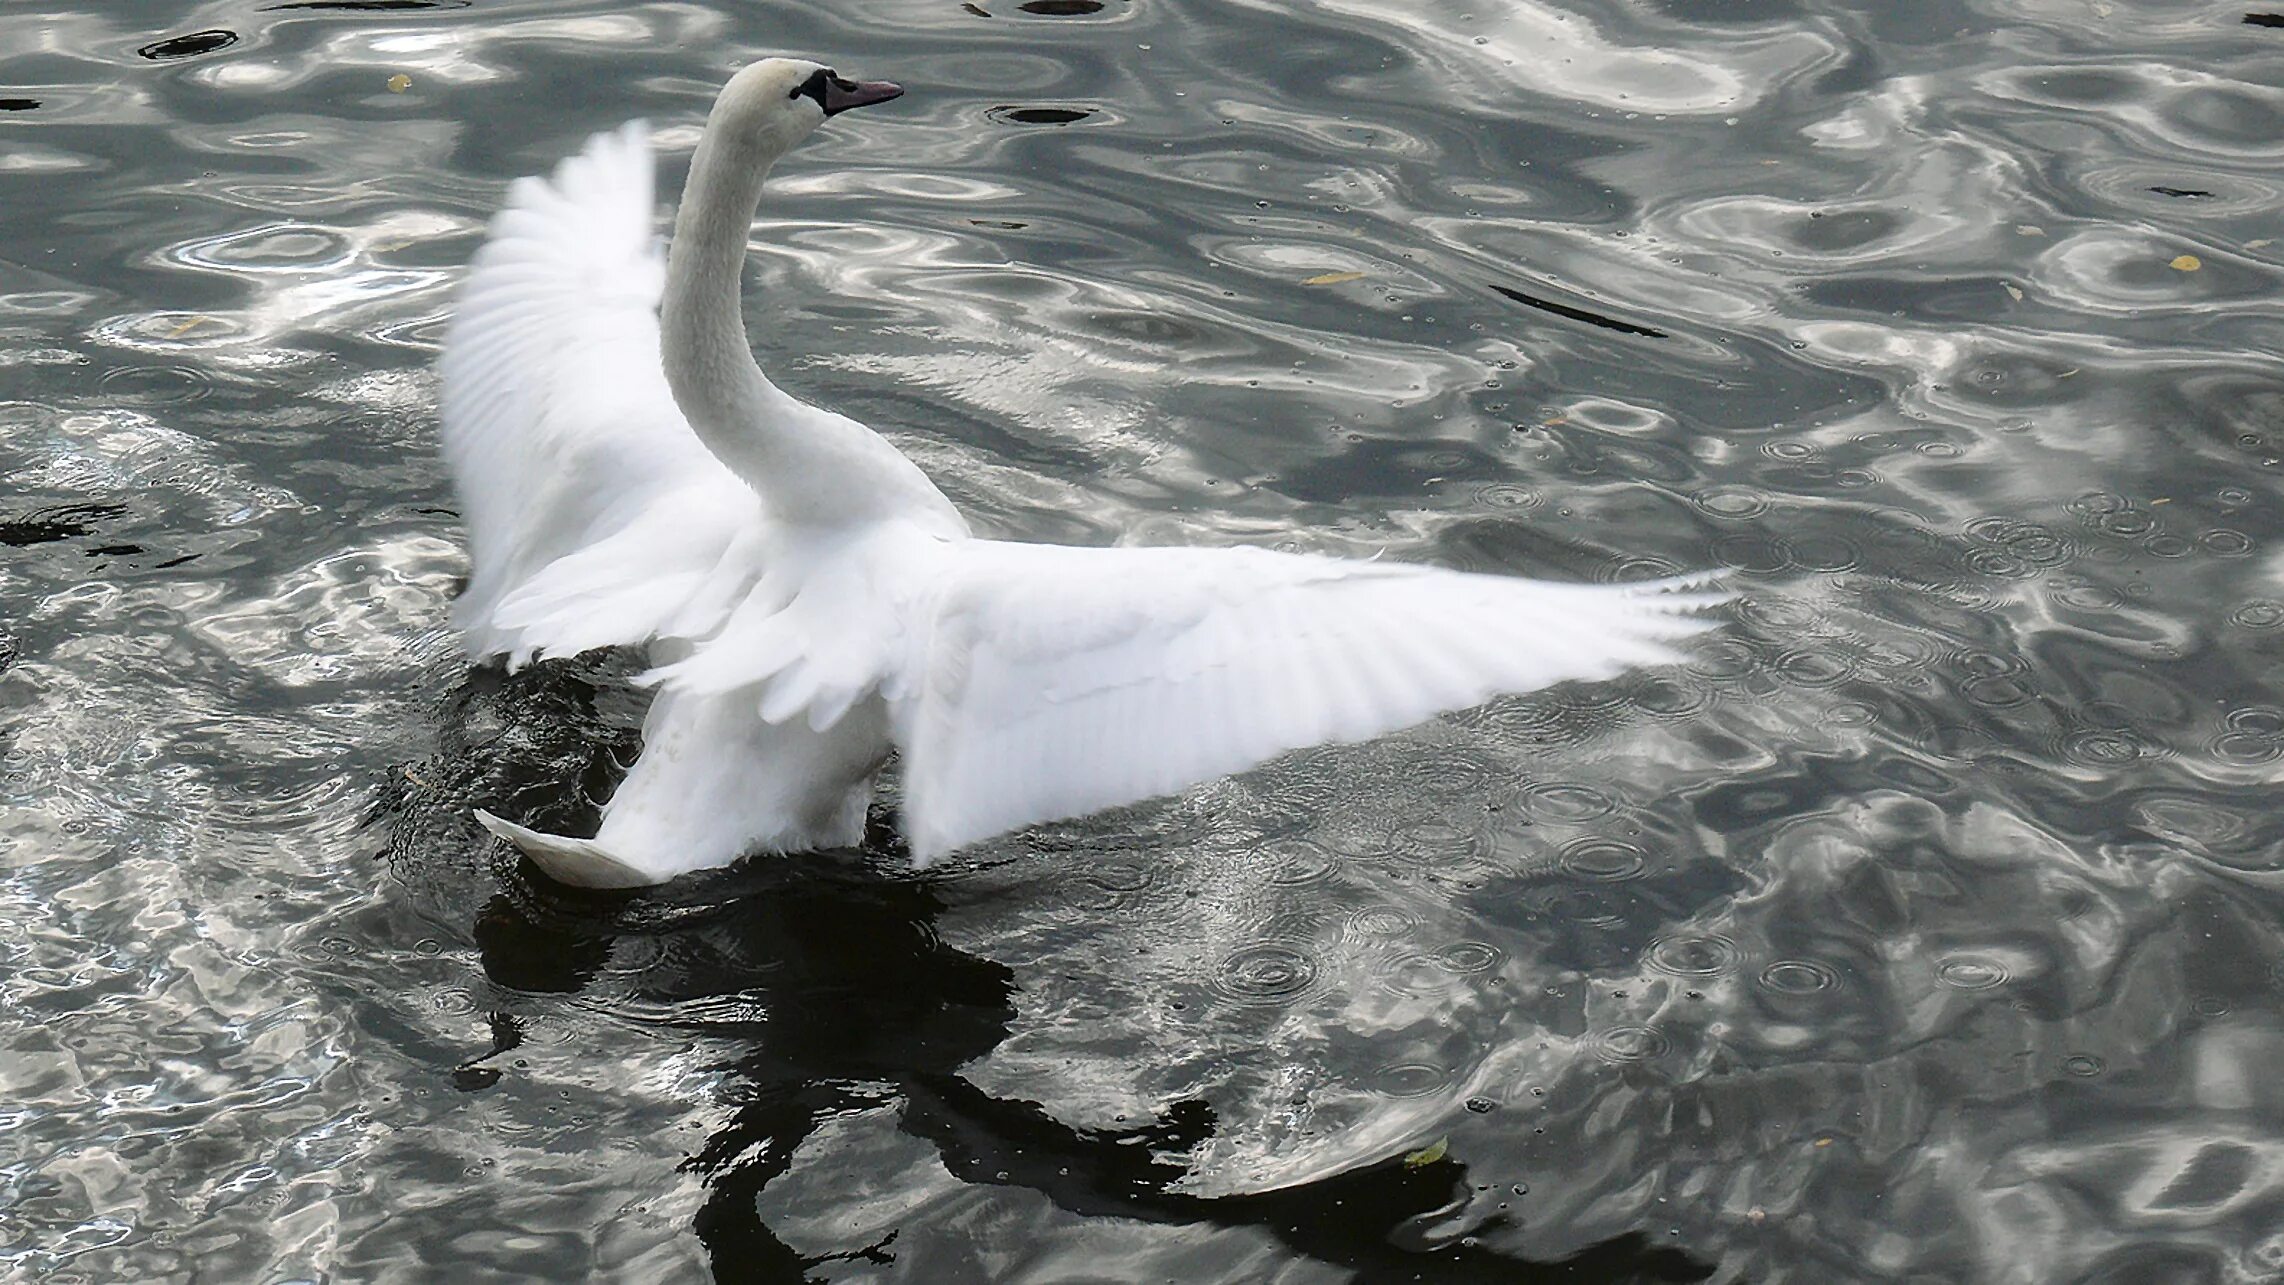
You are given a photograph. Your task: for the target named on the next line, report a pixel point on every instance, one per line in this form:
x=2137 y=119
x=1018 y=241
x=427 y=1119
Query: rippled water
x=1925 y=925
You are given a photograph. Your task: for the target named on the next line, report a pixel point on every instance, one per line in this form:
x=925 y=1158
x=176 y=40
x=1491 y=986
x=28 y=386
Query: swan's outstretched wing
x=1058 y=681
x=594 y=514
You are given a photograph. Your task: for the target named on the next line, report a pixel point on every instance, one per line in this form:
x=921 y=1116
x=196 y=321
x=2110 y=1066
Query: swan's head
x=777 y=102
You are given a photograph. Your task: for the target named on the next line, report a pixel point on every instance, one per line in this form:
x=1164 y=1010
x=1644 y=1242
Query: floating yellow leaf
x=1333 y=278
x=2012 y=290
x=399 y=83
x=2187 y=263
x=1429 y=1154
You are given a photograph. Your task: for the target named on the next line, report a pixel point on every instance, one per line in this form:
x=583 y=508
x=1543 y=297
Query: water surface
x=1925 y=925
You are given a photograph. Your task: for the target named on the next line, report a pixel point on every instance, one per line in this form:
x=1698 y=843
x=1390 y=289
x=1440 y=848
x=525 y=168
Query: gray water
x=1925 y=926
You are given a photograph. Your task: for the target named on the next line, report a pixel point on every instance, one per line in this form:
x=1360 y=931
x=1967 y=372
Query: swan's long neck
x=809 y=467
x=732 y=406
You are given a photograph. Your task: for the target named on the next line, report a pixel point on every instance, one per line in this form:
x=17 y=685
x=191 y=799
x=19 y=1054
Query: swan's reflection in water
x=827 y=968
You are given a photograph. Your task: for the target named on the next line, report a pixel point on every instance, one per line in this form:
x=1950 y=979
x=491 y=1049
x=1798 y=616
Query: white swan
x=811 y=601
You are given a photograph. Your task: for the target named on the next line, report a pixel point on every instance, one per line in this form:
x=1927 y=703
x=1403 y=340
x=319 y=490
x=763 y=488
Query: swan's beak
x=840 y=95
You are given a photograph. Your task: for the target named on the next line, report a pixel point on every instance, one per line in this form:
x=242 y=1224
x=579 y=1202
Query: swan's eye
x=814 y=87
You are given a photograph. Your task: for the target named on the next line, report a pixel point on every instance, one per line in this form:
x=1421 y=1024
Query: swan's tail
x=582 y=863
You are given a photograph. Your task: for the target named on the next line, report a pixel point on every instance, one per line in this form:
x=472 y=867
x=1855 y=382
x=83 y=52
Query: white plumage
x=810 y=600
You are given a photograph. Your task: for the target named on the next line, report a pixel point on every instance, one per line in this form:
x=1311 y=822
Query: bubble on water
x=1470 y=957
x=1265 y=973
x=1997 y=691
x=1414 y=973
x=1737 y=503
x=1813 y=667
x=1723 y=660
x=2246 y=748
x=2082 y=1065
x=1292 y=862
x=1673 y=694
x=1971 y=973
x=1450 y=773
x=1850 y=714
x=1685 y=955
x=1507 y=495
x=2084 y=595
x=2258 y=613
x=2256 y=720
x=1435 y=841
x=155 y=385
x=1623 y=1044
x=1382 y=921
x=1410 y=1079
x=2106 y=747
x=455 y=1001
x=1603 y=860
x=1560 y=802
x=1798 y=977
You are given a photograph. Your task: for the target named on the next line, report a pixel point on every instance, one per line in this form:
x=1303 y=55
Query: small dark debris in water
x=2264 y=19
x=507 y=1036
x=1579 y=314
x=63 y=522
x=1004 y=225
x=1040 y=115
x=1061 y=8
x=2180 y=191
x=974 y=10
x=174 y=562
x=19 y=104
x=114 y=550
x=371 y=5
x=190 y=46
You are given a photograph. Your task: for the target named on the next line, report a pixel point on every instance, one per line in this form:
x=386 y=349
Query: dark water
x=1926 y=926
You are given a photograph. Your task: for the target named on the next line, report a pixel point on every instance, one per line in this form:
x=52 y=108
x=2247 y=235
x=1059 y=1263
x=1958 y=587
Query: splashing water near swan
x=812 y=602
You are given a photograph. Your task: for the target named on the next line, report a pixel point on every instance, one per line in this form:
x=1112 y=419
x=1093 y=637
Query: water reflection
x=825 y=972
x=825 y=975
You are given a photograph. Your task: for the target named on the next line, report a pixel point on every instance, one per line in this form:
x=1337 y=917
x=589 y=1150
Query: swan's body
x=812 y=601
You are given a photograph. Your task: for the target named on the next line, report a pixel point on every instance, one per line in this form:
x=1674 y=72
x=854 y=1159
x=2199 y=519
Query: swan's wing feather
x=593 y=511
x=1058 y=681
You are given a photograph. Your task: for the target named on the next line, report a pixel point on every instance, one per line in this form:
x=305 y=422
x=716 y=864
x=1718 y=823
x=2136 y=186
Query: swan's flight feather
x=595 y=517
x=811 y=601
x=1060 y=681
